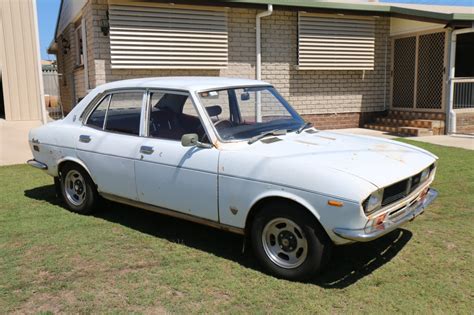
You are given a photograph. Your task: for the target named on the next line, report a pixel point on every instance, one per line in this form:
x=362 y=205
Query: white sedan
x=233 y=154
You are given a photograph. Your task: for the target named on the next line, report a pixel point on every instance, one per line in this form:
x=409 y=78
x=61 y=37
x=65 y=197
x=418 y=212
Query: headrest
x=215 y=110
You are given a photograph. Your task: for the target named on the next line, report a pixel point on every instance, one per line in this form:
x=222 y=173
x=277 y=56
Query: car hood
x=378 y=161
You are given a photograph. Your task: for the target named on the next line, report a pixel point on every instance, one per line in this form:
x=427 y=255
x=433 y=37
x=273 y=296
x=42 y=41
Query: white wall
x=403 y=26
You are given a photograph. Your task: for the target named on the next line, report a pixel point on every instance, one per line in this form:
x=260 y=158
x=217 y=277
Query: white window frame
x=79 y=40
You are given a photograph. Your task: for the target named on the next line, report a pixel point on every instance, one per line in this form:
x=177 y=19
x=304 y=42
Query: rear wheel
x=288 y=242
x=77 y=189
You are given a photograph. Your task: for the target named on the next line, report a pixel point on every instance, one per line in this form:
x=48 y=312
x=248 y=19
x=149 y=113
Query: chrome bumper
x=37 y=164
x=372 y=232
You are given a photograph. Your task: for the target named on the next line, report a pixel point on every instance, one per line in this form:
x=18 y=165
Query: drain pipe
x=451 y=114
x=258 y=64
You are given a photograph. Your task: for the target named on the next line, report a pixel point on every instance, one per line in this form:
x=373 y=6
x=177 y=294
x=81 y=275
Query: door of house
x=418 y=72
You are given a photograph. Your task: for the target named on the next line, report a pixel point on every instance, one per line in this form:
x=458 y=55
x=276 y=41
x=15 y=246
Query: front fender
x=237 y=197
x=274 y=193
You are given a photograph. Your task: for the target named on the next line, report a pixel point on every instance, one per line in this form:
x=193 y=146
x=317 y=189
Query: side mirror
x=245 y=96
x=189 y=140
x=192 y=140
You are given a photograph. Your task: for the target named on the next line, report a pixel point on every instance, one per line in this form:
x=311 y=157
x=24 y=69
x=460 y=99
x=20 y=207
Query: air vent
x=271 y=140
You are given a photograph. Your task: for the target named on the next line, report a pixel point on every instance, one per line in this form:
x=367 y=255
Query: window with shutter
x=335 y=43
x=173 y=37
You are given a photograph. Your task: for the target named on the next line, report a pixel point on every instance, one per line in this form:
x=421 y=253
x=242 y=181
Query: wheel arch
x=299 y=202
x=66 y=160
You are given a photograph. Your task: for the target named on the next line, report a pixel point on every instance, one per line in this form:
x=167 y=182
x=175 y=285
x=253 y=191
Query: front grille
x=395 y=192
x=402 y=188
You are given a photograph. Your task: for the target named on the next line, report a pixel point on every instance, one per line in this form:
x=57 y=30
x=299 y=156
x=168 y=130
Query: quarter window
x=97 y=118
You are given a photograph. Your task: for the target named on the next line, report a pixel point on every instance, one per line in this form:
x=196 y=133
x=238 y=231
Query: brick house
x=340 y=65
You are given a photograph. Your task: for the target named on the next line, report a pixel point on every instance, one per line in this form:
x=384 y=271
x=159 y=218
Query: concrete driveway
x=14 y=147
x=458 y=141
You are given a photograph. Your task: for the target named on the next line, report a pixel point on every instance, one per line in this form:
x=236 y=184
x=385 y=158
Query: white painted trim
x=44 y=116
x=84 y=54
x=451 y=113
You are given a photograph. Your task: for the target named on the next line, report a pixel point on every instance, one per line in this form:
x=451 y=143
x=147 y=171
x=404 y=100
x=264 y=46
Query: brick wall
x=66 y=68
x=310 y=92
x=465 y=122
x=71 y=77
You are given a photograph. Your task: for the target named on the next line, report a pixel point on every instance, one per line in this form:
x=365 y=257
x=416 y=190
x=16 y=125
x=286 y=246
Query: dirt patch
x=47 y=302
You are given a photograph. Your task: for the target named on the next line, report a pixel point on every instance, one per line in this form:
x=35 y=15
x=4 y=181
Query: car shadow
x=349 y=263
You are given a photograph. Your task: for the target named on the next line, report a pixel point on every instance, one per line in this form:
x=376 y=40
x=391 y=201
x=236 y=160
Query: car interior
x=168 y=120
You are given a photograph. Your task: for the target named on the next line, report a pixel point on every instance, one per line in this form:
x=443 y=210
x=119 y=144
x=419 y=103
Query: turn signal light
x=335 y=203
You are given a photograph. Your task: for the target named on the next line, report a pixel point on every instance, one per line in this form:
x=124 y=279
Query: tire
x=288 y=243
x=78 y=190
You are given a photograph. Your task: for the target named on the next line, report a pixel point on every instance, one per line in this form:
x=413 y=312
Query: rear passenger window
x=124 y=113
x=97 y=118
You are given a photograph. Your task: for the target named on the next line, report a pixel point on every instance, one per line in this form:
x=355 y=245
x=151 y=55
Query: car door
x=169 y=175
x=109 y=140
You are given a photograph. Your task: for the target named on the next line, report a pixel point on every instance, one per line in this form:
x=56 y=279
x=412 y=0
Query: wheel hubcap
x=284 y=243
x=74 y=185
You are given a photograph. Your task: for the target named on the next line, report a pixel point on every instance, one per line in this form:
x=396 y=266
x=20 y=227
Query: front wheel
x=78 y=190
x=288 y=243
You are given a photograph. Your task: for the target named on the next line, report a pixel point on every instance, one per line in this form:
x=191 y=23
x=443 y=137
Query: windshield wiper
x=303 y=127
x=275 y=132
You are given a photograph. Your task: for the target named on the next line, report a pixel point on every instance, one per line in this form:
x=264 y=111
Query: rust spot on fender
x=234 y=210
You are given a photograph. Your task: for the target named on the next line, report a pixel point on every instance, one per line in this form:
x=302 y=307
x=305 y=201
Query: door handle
x=85 y=138
x=146 y=149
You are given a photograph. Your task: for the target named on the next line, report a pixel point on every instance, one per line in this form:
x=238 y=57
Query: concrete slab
x=14 y=147
x=457 y=141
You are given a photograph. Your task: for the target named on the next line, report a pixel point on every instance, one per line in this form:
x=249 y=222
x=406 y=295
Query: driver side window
x=173 y=115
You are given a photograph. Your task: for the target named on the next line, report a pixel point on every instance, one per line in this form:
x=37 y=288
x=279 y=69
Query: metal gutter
x=367 y=8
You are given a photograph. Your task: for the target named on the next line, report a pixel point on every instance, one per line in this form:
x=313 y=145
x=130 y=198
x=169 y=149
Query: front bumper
x=37 y=164
x=372 y=232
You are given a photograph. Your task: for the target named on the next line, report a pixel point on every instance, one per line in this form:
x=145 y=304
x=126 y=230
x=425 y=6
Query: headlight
x=373 y=202
x=425 y=174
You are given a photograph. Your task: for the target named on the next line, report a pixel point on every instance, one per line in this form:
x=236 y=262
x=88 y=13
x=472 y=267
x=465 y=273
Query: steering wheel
x=220 y=124
x=224 y=123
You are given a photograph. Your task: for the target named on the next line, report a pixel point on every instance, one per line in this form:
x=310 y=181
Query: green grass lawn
x=126 y=260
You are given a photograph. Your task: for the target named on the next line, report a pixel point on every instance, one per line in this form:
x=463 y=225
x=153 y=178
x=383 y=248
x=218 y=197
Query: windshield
x=243 y=113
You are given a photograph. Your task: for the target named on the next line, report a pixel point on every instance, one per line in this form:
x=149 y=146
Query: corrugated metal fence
x=51 y=83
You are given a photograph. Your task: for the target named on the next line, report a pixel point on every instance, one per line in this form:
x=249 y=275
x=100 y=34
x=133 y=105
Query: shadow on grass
x=349 y=263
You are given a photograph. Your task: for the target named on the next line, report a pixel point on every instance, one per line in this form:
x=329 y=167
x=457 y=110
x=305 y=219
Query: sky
x=48 y=13
x=47 y=16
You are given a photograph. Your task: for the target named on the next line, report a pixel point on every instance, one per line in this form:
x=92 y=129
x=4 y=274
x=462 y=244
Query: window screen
x=335 y=43
x=148 y=36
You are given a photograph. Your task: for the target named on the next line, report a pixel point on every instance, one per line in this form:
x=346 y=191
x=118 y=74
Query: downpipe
x=258 y=63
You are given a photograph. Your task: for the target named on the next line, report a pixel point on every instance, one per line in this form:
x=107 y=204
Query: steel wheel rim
x=284 y=243
x=75 y=188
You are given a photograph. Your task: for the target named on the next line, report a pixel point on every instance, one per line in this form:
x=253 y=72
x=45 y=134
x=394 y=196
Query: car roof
x=183 y=83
